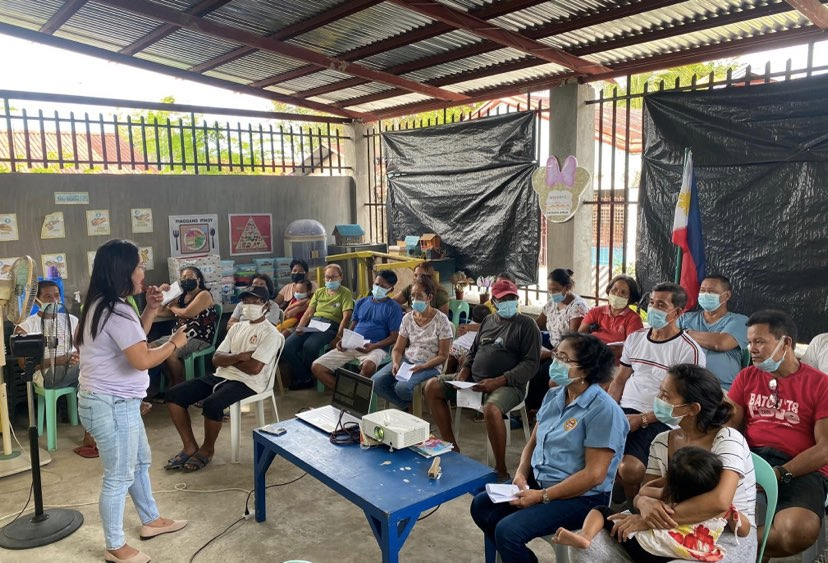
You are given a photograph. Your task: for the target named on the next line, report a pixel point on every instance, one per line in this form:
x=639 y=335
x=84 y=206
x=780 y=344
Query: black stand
x=41 y=527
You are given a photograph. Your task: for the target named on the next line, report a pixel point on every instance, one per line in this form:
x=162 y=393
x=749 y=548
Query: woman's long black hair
x=111 y=281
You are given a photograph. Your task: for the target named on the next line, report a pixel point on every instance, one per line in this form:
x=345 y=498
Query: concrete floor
x=306 y=520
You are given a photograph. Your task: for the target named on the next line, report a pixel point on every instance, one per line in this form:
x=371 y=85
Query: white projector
x=395 y=428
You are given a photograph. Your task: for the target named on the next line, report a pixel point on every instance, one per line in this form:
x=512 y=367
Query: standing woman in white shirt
x=114 y=358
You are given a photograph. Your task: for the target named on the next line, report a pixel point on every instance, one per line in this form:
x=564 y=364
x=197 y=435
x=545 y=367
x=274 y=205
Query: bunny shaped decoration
x=559 y=190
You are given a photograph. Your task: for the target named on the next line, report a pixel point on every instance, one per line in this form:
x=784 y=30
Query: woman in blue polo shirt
x=569 y=463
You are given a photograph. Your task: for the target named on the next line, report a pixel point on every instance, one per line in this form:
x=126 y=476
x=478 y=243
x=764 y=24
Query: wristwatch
x=545 y=497
x=644 y=423
x=785 y=476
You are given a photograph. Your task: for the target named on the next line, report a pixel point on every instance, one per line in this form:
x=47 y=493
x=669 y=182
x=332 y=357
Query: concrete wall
x=329 y=200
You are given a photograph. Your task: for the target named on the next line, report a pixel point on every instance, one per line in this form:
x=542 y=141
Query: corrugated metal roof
x=377 y=36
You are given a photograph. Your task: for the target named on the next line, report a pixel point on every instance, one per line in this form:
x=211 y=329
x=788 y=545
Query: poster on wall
x=8 y=227
x=251 y=233
x=54 y=265
x=141 y=220
x=192 y=235
x=90 y=260
x=147 y=257
x=6 y=266
x=97 y=222
x=71 y=198
x=53 y=226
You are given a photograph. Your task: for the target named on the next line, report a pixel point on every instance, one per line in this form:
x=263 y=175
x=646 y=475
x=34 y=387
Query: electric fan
x=40 y=527
x=17 y=296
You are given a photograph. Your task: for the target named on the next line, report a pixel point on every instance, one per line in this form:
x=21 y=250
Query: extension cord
x=249 y=515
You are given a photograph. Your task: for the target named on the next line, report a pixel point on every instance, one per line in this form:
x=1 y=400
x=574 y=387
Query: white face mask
x=252 y=311
x=617 y=302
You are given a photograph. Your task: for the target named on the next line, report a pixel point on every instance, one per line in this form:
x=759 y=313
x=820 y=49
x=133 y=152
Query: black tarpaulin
x=761 y=164
x=469 y=182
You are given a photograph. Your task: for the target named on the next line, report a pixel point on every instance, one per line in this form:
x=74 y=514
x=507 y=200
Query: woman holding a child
x=691 y=398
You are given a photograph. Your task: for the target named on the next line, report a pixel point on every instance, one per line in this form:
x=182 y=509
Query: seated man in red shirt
x=782 y=407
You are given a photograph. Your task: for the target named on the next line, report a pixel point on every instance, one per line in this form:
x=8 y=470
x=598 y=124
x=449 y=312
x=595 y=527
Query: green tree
x=682 y=75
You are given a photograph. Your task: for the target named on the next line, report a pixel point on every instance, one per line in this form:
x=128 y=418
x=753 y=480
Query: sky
x=47 y=69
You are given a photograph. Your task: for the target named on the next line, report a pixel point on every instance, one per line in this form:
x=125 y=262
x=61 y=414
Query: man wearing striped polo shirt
x=647 y=355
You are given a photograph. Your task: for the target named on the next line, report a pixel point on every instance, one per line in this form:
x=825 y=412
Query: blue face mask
x=559 y=373
x=657 y=318
x=709 y=301
x=332 y=285
x=557 y=297
x=418 y=305
x=379 y=292
x=300 y=295
x=663 y=411
x=507 y=309
x=769 y=364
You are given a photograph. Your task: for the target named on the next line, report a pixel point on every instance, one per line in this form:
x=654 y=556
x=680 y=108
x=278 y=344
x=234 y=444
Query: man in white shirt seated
x=245 y=362
x=816 y=355
x=648 y=354
x=64 y=358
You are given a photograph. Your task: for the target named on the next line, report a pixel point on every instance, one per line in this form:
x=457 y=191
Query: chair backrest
x=219 y=311
x=275 y=371
x=766 y=478
x=745 y=360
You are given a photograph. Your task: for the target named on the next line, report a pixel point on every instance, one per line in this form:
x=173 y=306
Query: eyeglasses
x=332 y=278
x=563 y=358
x=773 y=385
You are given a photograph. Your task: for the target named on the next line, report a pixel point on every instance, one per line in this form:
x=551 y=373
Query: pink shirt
x=104 y=367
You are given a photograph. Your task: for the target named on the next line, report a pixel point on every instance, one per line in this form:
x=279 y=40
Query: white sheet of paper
x=469 y=399
x=352 y=340
x=404 y=373
x=462 y=384
x=504 y=492
x=173 y=293
x=317 y=326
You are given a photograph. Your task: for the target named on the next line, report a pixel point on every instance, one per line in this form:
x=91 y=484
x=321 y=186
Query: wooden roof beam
x=104 y=54
x=547 y=30
x=814 y=10
x=160 y=32
x=227 y=33
x=343 y=10
x=582 y=50
x=488 y=11
x=499 y=35
x=781 y=39
x=62 y=15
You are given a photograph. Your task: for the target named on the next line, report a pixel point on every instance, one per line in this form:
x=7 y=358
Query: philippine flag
x=687 y=234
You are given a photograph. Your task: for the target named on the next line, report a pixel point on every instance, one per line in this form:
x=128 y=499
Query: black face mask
x=297 y=277
x=188 y=285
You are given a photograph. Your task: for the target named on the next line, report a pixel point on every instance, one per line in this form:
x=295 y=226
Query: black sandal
x=177 y=461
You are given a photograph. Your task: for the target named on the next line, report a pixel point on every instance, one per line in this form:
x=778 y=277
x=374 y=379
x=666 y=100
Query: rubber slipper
x=177 y=461
x=196 y=462
x=86 y=451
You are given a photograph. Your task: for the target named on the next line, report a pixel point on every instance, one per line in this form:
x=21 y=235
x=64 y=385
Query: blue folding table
x=392 y=488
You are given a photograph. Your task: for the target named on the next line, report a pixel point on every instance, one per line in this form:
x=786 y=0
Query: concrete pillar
x=572 y=131
x=356 y=156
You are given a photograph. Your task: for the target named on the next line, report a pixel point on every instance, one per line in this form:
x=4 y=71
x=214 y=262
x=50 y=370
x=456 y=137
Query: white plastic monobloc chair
x=259 y=399
x=524 y=415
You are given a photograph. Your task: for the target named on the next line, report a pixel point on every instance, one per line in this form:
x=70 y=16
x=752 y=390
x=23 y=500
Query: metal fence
x=617 y=166
x=164 y=138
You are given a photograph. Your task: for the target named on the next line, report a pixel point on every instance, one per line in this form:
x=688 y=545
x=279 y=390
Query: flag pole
x=679 y=252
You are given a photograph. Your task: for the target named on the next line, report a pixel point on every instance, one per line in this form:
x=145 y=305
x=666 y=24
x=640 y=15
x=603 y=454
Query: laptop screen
x=352 y=393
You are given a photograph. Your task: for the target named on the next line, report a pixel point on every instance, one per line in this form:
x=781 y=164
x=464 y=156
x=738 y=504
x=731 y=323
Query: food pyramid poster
x=251 y=233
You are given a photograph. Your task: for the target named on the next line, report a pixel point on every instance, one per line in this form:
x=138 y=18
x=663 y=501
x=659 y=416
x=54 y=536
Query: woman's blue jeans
x=116 y=425
x=397 y=392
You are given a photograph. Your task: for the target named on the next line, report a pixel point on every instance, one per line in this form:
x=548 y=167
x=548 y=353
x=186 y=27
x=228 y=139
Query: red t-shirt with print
x=802 y=398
